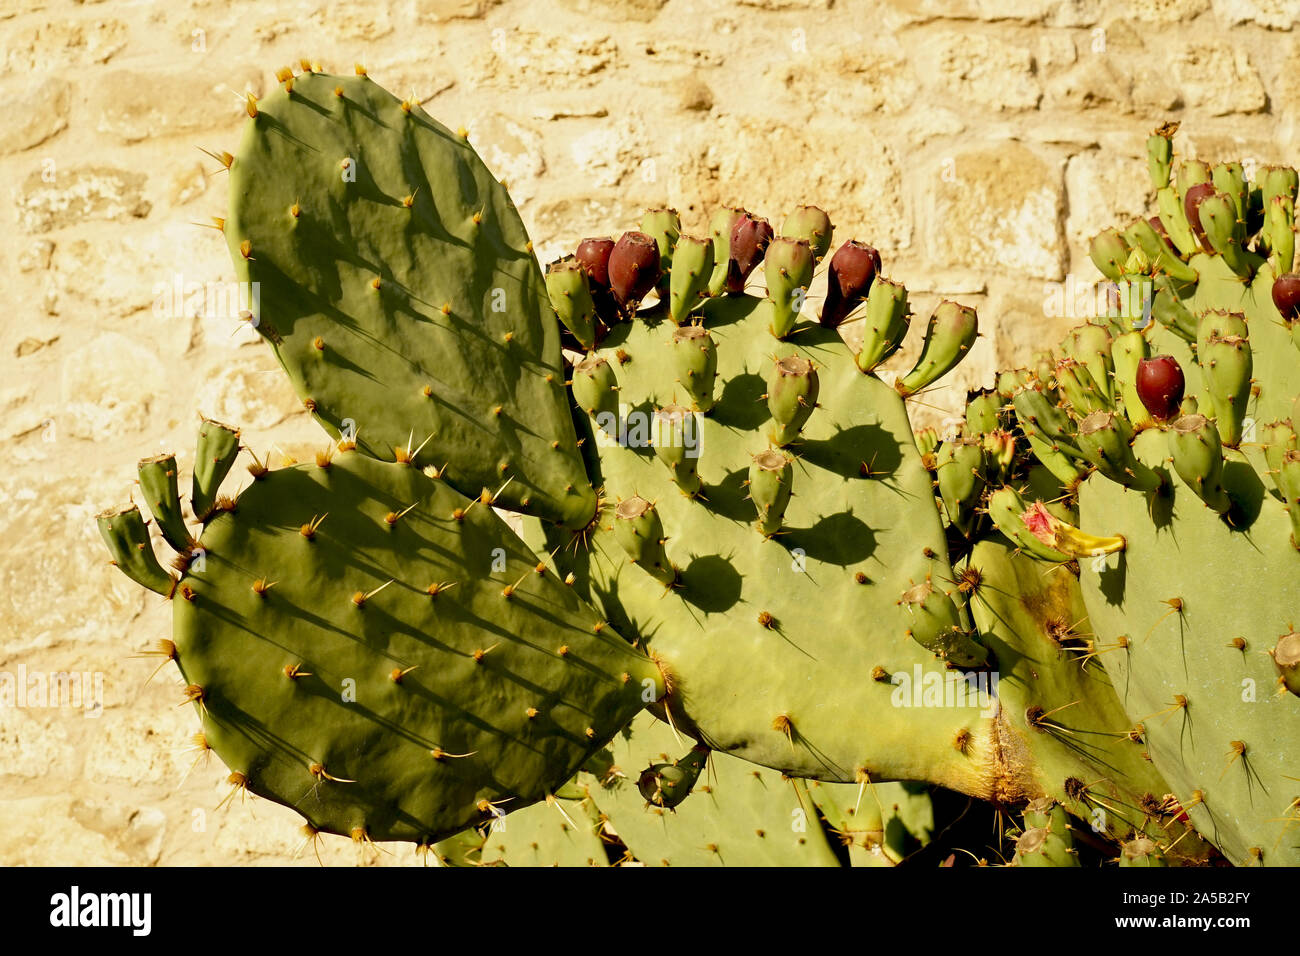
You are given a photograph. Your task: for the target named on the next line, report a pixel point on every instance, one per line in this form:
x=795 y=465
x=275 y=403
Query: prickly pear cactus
x=718 y=477
x=1188 y=461
x=737 y=814
x=366 y=645
x=400 y=292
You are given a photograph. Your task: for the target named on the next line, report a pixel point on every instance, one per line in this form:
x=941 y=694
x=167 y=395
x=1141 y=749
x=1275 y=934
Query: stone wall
x=977 y=143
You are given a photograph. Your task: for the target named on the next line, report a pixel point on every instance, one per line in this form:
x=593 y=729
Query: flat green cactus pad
x=1186 y=588
x=370 y=648
x=770 y=641
x=737 y=814
x=401 y=294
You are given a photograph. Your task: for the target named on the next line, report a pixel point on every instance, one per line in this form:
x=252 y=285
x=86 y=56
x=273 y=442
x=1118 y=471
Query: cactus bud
x=1109 y=251
x=1286 y=658
x=692 y=265
x=668 y=784
x=595 y=389
x=792 y=388
x=770 y=477
x=570 y=294
x=1198 y=459
x=664 y=227
x=641 y=534
x=811 y=225
x=788 y=267
x=695 y=360
x=948 y=340
x=676 y=440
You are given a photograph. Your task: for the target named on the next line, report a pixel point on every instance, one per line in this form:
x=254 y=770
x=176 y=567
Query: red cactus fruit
x=853 y=268
x=1160 y=386
x=749 y=238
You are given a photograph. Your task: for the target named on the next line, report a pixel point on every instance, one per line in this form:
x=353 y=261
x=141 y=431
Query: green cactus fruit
x=595 y=389
x=378 y=238
x=1106 y=442
x=1190 y=173
x=770 y=477
x=983 y=411
x=1288 y=483
x=813 y=226
x=1279 y=232
x=788 y=267
x=1224 y=233
x=1127 y=352
x=1109 y=251
x=948 y=339
x=1141 y=851
x=720 y=225
x=1006 y=509
x=1080 y=389
x=1230 y=179
x=675 y=436
x=692 y=268
x=1010 y=382
x=1160 y=154
x=1044 y=423
x=1275 y=181
x=159 y=484
x=1170 y=311
x=1143 y=235
x=959 y=471
x=792 y=389
x=1276 y=439
x=127 y=536
x=887 y=320
x=568 y=287
x=1198 y=459
x=668 y=784
x=1089 y=345
x=1226 y=362
x=640 y=532
x=695 y=362
x=217 y=449
x=1173 y=216
x=1042 y=847
x=937 y=626
x=664 y=226
x=1286 y=658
